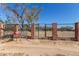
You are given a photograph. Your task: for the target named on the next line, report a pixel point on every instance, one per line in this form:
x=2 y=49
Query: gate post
x=32 y=31
x=38 y=31
x=54 y=31
x=1 y=30
x=77 y=31
x=45 y=31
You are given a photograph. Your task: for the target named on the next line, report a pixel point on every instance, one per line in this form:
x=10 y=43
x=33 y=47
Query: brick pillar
x=32 y=31
x=1 y=30
x=77 y=31
x=54 y=31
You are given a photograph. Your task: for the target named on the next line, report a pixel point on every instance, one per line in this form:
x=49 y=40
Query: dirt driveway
x=39 y=48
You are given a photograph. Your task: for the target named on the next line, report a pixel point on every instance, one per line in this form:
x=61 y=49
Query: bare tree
x=32 y=15
x=26 y=14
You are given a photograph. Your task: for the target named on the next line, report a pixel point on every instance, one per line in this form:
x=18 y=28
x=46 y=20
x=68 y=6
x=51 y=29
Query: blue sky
x=54 y=12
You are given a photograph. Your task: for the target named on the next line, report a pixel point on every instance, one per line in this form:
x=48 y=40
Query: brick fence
x=53 y=30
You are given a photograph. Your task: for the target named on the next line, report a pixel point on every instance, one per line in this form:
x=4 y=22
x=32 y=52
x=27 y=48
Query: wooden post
x=54 y=31
x=38 y=31
x=45 y=31
x=1 y=30
x=77 y=31
x=32 y=31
